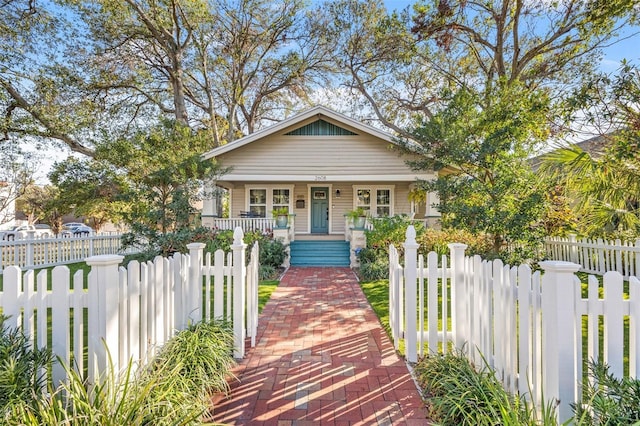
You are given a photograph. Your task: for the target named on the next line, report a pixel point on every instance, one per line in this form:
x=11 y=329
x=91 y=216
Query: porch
x=304 y=249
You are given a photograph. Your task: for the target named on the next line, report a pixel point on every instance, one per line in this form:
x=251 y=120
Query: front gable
x=318 y=144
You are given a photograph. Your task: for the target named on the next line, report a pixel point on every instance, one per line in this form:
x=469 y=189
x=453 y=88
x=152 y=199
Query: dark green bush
x=20 y=368
x=272 y=253
x=607 y=400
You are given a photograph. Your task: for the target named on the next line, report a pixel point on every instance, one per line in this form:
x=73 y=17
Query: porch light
x=337 y=193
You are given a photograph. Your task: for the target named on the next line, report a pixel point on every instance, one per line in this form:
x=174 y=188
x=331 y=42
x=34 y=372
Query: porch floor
x=319 y=237
x=322 y=358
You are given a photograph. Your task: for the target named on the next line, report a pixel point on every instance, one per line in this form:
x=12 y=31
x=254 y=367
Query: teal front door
x=319 y=210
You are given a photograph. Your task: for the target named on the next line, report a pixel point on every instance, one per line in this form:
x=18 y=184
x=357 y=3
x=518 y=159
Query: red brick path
x=322 y=358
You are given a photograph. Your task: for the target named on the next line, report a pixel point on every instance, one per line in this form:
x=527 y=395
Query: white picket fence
x=596 y=256
x=130 y=312
x=46 y=252
x=528 y=326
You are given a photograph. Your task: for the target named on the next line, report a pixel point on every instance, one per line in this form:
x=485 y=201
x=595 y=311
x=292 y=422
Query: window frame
x=372 y=207
x=269 y=204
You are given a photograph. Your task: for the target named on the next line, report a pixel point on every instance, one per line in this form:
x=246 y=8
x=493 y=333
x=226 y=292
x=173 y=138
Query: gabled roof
x=319 y=111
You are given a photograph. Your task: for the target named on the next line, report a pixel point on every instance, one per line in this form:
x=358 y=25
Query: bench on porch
x=249 y=214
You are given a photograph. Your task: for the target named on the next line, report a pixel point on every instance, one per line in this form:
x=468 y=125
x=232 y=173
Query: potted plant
x=281 y=215
x=358 y=216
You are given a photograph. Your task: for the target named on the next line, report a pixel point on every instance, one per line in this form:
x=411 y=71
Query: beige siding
x=315 y=156
x=339 y=206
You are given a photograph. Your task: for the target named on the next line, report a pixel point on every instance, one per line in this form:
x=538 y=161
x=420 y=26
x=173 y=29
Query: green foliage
x=356 y=213
x=603 y=178
x=164 y=173
x=458 y=393
x=89 y=188
x=479 y=143
x=272 y=253
x=21 y=379
x=607 y=400
x=197 y=362
x=173 y=390
x=374 y=259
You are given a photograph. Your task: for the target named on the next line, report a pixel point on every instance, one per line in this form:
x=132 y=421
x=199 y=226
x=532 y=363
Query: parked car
x=22 y=232
x=76 y=229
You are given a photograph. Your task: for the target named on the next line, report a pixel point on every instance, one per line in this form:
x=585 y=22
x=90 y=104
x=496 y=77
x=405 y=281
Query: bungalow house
x=318 y=165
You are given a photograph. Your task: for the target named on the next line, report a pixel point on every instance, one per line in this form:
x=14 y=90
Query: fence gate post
x=239 y=273
x=559 y=374
x=194 y=292
x=459 y=314
x=636 y=256
x=411 y=293
x=104 y=301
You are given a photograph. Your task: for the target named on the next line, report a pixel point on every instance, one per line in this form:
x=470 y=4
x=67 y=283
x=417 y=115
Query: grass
x=265 y=288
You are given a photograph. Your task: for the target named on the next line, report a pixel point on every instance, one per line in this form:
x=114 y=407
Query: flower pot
x=282 y=220
x=359 y=222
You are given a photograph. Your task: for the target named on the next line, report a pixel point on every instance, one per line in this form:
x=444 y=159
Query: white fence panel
x=596 y=256
x=46 y=252
x=526 y=325
x=130 y=312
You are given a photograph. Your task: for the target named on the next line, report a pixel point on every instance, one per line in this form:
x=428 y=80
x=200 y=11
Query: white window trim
x=269 y=189
x=374 y=202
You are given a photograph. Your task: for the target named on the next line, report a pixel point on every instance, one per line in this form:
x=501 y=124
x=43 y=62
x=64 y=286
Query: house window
x=376 y=201
x=261 y=201
x=258 y=202
x=383 y=202
x=363 y=199
x=281 y=199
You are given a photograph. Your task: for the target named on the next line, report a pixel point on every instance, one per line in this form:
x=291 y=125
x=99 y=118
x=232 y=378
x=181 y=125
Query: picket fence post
x=239 y=271
x=194 y=295
x=459 y=320
x=637 y=258
x=411 y=293
x=104 y=300
x=559 y=372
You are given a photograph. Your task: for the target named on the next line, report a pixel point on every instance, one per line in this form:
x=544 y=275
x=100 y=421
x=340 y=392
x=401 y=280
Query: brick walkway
x=322 y=358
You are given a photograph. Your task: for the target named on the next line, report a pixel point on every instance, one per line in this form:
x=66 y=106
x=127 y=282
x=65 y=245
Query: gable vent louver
x=320 y=128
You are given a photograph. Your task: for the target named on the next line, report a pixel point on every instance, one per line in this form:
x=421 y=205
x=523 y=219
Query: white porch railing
x=527 y=325
x=134 y=310
x=245 y=223
x=596 y=256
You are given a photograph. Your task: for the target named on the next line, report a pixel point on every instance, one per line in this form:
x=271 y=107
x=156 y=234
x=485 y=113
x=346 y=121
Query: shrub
x=272 y=253
x=458 y=394
x=607 y=400
x=193 y=364
x=172 y=390
x=20 y=368
x=374 y=259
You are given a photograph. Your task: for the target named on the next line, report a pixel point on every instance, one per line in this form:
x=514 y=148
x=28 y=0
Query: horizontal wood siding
x=315 y=155
x=338 y=206
x=302 y=215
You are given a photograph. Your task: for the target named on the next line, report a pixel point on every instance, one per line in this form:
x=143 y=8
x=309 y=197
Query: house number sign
x=321 y=178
